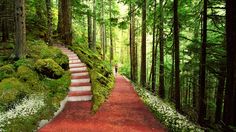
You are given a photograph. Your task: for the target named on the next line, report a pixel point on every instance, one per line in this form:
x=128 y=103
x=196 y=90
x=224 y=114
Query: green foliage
x=11 y=91
x=102 y=78
x=7 y=71
x=29 y=62
x=49 y=68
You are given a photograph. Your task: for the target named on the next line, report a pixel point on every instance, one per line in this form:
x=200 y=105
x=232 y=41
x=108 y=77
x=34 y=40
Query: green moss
x=29 y=62
x=101 y=75
x=49 y=68
x=11 y=91
x=30 y=78
x=7 y=71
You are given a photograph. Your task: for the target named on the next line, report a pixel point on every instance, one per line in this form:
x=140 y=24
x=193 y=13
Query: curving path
x=122 y=112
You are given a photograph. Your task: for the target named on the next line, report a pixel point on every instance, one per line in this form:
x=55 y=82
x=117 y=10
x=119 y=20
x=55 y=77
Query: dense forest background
x=181 y=50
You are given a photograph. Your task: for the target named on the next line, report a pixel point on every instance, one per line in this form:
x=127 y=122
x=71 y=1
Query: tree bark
x=89 y=29
x=20 y=29
x=176 y=44
x=154 y=49
x=229 y=116
x=60 y=23
x=161 y=71
x=49 y=23
x=66 y=20
x=202 y=77
x=111 y=39
x=143 y=48
x=94 y=26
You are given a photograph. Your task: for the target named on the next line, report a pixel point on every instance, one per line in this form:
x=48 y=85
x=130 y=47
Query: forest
x=180 y=55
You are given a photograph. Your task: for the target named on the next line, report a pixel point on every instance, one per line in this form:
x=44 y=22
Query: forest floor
x=123 y=112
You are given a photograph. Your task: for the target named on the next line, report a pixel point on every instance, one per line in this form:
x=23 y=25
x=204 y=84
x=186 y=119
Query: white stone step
x=79 y=98
x=78 y=69
x=78 y=64
x=80 y=80
x=73 y=57
x=80 y=74
x=80 y=88
x=74 y=61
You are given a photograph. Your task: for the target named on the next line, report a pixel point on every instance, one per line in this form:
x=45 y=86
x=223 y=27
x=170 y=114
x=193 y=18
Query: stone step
x=80 y=69
x=74 y=61
x=76 y=65
x=72 y=55
x=80 y=88
x=73 y=58
x=79 y=98
x=85 y=80
x=79 y=74
x=76 y=84
x=80 y=77
x=79 y=93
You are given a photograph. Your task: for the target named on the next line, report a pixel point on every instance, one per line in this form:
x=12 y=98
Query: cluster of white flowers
x=169 y=116
x=28 y=106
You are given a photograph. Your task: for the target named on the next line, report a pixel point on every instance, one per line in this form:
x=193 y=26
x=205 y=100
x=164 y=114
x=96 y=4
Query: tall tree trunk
x=220 y=93
x=111 y=40
x=133 y=46
x=89 y=29
x=154 y=50
x=103 y=33
x=60 y=23
x=143 y=48
x=5 y=33
x=66 y=20
x=161 y=72
x=229 y=116
x=176 y=44
x=202 y=77
x=49 y=24
x=94 y=26
x=20 y=29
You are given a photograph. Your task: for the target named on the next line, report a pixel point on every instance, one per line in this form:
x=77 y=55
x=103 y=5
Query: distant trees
x=49 y=22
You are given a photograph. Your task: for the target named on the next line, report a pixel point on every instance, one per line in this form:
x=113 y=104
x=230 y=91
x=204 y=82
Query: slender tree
x=49 y=22
x=161 y=71
x=20 y=29
x=94 y=26
x=154 y=49
x=143 y=48
x=176 y=44
x=89 y=20
x=202 y=76
x=111 y=40
x=66 y=21
x=229 y=116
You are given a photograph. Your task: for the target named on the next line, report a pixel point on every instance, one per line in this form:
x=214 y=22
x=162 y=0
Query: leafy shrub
x=49 y=68
x=7 y=71
x=11 y=91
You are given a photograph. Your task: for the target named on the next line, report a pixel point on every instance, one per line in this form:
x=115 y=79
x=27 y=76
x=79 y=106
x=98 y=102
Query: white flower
x=28 y=106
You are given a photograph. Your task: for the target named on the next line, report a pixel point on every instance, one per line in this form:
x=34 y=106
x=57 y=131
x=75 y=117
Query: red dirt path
x=122 y=112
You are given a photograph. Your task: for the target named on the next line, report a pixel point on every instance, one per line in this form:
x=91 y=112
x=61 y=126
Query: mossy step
x=85 y=80
x=80 y=88
x=79 y=98
x=76 y=84
x=79 y=93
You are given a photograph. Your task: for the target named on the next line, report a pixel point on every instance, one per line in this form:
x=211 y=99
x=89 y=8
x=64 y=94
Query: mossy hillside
x=21 y=79
x=101 y=75
x=7 y=71
x=11 y=91
x=49 y=68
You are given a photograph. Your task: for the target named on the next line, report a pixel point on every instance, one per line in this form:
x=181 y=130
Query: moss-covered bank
x=100 y=72
x=43 y=72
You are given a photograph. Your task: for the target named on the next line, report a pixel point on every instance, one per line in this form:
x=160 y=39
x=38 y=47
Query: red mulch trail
x=122 y=112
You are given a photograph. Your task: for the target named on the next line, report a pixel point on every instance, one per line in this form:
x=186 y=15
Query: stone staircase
x=80 y=87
